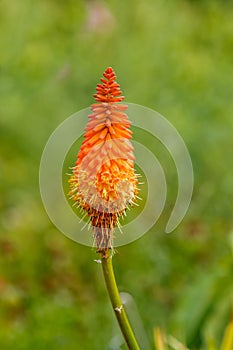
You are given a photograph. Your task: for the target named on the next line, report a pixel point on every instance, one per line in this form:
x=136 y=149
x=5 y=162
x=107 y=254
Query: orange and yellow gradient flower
x=103 y=182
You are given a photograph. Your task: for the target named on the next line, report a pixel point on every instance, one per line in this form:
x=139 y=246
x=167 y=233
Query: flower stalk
x=104 y=184
x=116 y=302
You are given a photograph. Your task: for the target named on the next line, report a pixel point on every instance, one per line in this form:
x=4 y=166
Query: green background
x=172 y=56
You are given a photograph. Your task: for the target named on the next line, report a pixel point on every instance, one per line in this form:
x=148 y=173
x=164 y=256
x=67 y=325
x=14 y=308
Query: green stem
x=116 y=302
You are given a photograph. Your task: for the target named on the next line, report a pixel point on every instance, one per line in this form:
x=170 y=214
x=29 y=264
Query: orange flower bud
x=103 y=182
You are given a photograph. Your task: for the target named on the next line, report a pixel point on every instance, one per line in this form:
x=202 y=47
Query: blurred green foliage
x=173 y=56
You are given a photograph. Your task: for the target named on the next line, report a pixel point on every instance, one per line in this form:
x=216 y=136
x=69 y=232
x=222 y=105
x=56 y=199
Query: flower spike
x=103 y=182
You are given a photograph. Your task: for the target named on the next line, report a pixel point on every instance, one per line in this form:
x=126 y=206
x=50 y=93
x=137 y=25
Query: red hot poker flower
x=103 y=182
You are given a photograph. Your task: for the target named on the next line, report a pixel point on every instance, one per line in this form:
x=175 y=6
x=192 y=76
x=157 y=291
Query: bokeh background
x=172 y=56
